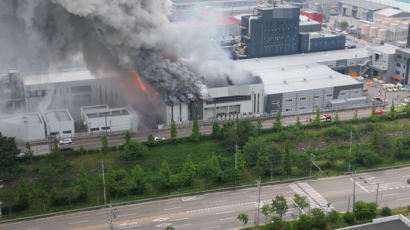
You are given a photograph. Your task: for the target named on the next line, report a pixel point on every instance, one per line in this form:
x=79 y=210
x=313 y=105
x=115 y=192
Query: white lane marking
x=124 y=215
x=404 y=198
x=191 y=198
x=212 y=227
x=79 y=222
x=391 y=194
x=226 y=212
x=351 y=179
x=129 y=225
x=166 y=209
x=217 y=201
x=163 y=225
x=391 y=173
x=228 y=218
x=160 y=219
x=182 y=225
x=186 y=218
x=33 y=228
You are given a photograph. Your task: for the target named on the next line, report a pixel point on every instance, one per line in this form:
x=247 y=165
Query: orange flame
x=139 y=82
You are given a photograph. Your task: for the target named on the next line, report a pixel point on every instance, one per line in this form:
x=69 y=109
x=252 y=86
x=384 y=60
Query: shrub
x=365 y=211
x=386 y=211
x=348 y=218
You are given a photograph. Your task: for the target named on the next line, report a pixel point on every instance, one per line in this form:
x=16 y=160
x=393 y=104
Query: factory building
x=316 y=41
x=24 y=127
x=401 y=66
x=381 y=62
x=58 y=124
x=69 y=89
x=307 y=25
x=363 y=10
x=271 y=32
x=315 y=16
x=102 y=118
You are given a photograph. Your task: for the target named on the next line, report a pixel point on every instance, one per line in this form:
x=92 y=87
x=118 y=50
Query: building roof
x=258 y=64
x=27 y=119
x=108 y=113
x=57 y=116
x=64 y=76
x=94 y=108
x=301 y=78
x=364 y=4
x=390 y=12
x=396 y=222
x=386 y=49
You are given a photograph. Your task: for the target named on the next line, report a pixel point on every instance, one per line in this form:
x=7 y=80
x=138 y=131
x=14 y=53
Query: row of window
x=279 y=23
x=229 y=99
x=280 y=30
x=316 y=96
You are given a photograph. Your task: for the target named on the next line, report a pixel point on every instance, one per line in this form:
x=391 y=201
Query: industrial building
x=271 y=32
x=317 y=41
x=362 y=9
x=380 y=62
x=58 y=124
x=12 y=98
x=102 y=118
x=401 y=66
x=24 y=127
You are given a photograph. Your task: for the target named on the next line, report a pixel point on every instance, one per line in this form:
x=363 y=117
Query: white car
x=159 y=138
x=65 y=141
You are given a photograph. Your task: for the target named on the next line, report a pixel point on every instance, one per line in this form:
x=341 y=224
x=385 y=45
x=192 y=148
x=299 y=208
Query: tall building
x=402 y=63
x=271 y=32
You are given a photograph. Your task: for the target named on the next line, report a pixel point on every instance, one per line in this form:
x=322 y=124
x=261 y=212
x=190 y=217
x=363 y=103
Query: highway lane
x=219 y=210
x=94 y=142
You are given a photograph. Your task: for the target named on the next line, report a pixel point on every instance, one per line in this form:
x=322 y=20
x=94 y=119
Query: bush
x=334 y=132
x=386 y=211
x=333 y=216
x=348 y=218
x=365 y=211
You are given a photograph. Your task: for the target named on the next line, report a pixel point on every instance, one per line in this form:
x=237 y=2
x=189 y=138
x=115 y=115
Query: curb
x=151 y=199
x=378 y=169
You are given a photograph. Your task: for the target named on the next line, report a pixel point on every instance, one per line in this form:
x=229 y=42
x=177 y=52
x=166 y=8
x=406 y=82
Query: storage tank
x=377 y=21
x=382 y=34
x=365 y=29
x=373 y=31
x=386 y=23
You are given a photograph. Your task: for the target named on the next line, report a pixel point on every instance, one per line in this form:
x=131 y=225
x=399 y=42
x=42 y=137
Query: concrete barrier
x=151 y=199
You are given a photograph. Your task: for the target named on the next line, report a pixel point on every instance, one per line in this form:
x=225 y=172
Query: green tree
x=331 y=156
x=266 y=211
x=298 y=123
x=23 y=192
x=150 y=140
x=398 y=149
x=386 y=211
x=318 y=218
x=52 y=197
x=245 y=129
x=373 y=115
x=262 y=163
x=133 y=150
x=279 y=206
x=229 y=136
x=215 y=130
x=277 y=123
x=333 y=216
x=355 y=115
x=173 y=130
x=364 y=211
x=215 y=168
x=259 y=126
x=138 y=179
x=275 y=157
x=28 y=152
x=188 y=171
x=196 y=135
x=287 y=165
x=243 y=217
x=82 y=185
x=127 y=137
x=300 y=202
x=343 y=24
x=55 y=149
x=252 y=149
x=165 y=175
x=317 y=117
x=304 y=222
x=104 y=144
x=392 y=114
x=8 y=152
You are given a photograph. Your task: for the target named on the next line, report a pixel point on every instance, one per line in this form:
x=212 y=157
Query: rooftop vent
x=285 y=82
x=307 y=66
x=283 y=68
x=330 y=76
x=304 y=79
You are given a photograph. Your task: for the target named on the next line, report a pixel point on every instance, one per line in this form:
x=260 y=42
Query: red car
x=378 y=112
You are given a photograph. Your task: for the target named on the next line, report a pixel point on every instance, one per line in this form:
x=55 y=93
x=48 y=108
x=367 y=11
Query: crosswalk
x=315 y=199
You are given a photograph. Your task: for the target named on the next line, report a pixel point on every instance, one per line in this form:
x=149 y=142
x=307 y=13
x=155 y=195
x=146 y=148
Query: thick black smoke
x=110 y=34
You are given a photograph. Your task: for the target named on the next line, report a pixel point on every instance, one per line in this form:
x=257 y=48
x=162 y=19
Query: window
x=95 y=129
x=229 y=99
x=302 y=108
x=287 y=110
x=399 y=56
x=317 y=96
x=302 y=98
x=105 y=128
x=397 y=72
x=81 y=89
x=54 y=133
x=398 y=64
x=289 y=100
x=67 y=132
x=329 y=95
x=342 y=94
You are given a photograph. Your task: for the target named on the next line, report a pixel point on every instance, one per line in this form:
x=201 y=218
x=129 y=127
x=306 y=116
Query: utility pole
x=1 y=203
x=350 y=149
x=236 y=155
x=258 y=182
x=311 y=164
x=377 y=193
x=354 y=191
x=103 y=178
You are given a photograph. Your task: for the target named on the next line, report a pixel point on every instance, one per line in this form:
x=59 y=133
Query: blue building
x=314 y=42
x=271 y=32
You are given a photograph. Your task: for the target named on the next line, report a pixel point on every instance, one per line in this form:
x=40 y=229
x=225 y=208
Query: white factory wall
x=116 y=123
x=22 y=132
x=177 y=112
x=63 y=128
x=306 y=101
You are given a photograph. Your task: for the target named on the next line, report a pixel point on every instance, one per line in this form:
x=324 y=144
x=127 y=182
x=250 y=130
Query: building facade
x=58 y=124
x=402 y=63
x=359 y=9
x=102 y=118
x=24 y=127
x=315 y=42
x=271 y=32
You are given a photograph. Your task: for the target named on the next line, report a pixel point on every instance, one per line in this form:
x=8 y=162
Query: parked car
x=159 y=138
x=378 y=112
x=65 y=141
x=20 y=155
x=326 y=118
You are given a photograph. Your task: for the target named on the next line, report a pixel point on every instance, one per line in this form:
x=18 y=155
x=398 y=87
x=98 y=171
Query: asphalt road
x=94 y=142
x=219 y=210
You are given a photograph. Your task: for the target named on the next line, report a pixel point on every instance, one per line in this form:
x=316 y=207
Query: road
x=219 y=210
x=94 y=142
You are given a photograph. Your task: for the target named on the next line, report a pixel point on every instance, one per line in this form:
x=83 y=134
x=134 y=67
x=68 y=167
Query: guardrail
x=152 y=199
x=379 y=169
